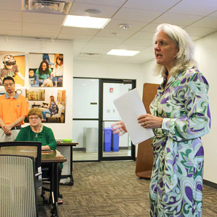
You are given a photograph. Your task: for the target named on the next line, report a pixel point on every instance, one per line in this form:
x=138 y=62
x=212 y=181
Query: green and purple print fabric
x=177 y=174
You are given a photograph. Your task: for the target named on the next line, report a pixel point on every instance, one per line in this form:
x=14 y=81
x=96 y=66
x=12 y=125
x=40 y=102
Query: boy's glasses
x=32 y=118
x=8 y=85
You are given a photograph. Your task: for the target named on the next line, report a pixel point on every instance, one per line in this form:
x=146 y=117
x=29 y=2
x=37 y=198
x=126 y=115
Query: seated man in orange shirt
x=13 y=110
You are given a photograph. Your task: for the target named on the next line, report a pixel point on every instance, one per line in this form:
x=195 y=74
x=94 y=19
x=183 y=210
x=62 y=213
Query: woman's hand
x=119 y=127
x=150 y=121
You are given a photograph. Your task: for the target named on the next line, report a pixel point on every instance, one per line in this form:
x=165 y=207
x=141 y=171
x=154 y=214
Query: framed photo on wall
x=52 y=102
x=12 y=64
x=46 y=70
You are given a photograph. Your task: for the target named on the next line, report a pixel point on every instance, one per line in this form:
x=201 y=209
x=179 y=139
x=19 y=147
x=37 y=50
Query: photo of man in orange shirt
x=13 y=110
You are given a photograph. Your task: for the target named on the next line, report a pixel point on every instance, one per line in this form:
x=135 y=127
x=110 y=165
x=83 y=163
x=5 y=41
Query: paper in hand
x=130 y=107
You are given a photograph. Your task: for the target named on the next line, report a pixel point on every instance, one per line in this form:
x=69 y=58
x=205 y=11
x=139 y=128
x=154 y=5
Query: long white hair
x=185 y=55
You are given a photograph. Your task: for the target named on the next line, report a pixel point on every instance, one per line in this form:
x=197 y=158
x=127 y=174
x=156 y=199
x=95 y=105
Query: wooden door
x=145 y=157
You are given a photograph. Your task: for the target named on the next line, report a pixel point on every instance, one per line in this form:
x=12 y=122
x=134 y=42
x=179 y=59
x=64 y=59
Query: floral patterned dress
x=177 y=174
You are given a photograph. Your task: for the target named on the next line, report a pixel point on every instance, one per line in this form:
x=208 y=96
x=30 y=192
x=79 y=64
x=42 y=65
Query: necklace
x=37 y=131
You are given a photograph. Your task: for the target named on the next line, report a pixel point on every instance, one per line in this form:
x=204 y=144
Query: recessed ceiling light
x=93 y=11
x=119 y=52
x=85 y=22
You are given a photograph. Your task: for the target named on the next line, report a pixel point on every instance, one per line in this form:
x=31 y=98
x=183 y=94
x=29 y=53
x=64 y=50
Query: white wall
x=206 y=56
x=65 y=47
x=97 y=69
x=149 y=77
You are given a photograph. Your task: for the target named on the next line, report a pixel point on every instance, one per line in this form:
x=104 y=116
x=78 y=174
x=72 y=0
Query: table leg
x=55 y=189
x=71 y=167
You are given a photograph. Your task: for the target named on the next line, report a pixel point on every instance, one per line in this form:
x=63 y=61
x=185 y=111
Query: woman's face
x=44 y=66
x=34 y=120
x=165 y=50
x=59 y=62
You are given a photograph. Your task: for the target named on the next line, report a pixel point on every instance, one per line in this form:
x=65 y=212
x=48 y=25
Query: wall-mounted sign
x=111 y=89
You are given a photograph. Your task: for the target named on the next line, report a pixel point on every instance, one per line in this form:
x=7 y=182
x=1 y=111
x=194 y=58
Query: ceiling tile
x=10 y=25
x=207 y=22
x=213 y=1
x=12 y=5
x=52 y=19
x=107 y=40
x=137 y=15
x=132 y=41
x=194 y=38
x=177 y=19
x=14 y=16
x=194 y=7
x=79 y=31
x=153 y=27
x=10 y=32
x=131 y=47
x=79 y=38
x=103 y=2
x=111 y=33
x=79 y=10
x=38 y=34
x=91 y=48
x=150 y=28
x=134 y=26
x=149 y=50
x=153 y=5
x=213 y=14
x=41 y=28
x=143 y=35
x=197 y=31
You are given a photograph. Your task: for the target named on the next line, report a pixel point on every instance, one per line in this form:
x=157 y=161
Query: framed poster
x=52 y=102
x=12 y=64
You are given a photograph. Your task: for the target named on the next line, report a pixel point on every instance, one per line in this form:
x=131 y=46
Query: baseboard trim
x=210 y=184
x=84 y=149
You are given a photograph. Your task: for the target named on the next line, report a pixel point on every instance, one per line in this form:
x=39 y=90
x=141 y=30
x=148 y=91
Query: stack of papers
x=130 y=107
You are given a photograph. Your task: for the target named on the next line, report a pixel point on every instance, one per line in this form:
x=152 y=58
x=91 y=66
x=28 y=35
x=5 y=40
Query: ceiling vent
x=48 y=6
x=90 y=54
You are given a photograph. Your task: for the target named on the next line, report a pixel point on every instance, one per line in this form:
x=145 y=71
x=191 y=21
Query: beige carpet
x=113 y=189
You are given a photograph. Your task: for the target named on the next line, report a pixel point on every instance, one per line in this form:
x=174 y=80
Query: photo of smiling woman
x=43 y=73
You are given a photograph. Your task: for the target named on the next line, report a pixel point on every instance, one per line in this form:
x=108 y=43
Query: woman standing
x=53 y=109
x=58 y=71
x=43 y=73
x=179 y=116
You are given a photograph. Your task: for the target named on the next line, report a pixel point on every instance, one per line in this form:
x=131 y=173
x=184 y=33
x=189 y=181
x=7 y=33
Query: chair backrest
x=32 y=149
x=17 y=186
x=60 y=109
